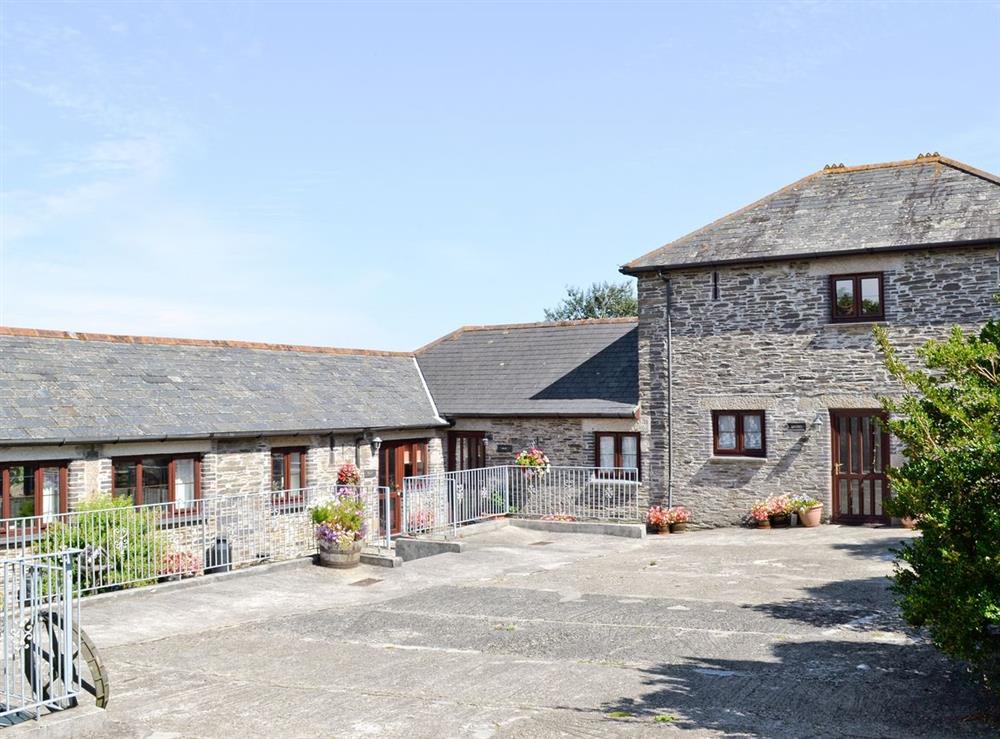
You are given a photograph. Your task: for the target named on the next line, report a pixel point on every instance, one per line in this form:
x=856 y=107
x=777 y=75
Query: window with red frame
x=33 y=489
x=739 y=433
x=148 y=480
x=288 y=475
x=616 y=450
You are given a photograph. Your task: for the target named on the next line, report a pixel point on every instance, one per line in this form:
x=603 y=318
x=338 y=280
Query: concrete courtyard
x=533 y=634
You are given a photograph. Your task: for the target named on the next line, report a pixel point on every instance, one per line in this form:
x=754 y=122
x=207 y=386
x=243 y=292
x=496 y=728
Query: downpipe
x=668 y=308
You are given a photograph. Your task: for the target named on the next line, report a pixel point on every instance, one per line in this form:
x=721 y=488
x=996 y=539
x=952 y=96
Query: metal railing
x=131 y=546
x=41 y=617
x=444 y=501
x=438 y=502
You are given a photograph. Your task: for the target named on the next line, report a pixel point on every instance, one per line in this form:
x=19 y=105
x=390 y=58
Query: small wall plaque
x=796 y=425
x=505 y=449
x=370 y=474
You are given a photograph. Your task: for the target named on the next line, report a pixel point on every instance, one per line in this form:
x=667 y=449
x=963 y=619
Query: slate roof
x=566 y=368
x=89 y=387
x=927 y=201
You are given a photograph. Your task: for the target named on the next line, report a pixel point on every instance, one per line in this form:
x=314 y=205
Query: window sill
x=178 y=520
x=736 y=458
x=286 y=507
x=874 y=322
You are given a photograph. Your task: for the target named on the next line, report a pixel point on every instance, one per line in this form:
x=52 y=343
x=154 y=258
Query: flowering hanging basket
x=533 y=462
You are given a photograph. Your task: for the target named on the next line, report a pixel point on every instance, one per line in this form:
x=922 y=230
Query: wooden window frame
x=618 y=436
x=739 y=450
x=856 y=315
x=284 y=497
x=39 y=465
x=138 y=499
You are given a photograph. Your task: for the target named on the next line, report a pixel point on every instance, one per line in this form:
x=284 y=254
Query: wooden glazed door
x=860 y=456
x=397 y=461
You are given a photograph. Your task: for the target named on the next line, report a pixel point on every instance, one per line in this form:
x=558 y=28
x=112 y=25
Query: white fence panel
x=444 y=501
x=130 y=546
x=40 y=612
x=579 y=492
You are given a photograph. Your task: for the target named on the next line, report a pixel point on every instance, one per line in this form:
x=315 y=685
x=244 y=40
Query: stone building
x=752 y=363
x=568 y=387
x=758 y=372
x=173 y=420
x=176 y=420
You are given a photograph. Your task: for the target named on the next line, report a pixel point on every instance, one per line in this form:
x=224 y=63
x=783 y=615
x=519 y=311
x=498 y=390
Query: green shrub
x=119 y=544
x=948 y=579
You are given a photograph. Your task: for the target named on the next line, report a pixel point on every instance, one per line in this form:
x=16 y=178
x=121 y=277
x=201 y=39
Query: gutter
x=658 y=268
x=212 y=435
x=606 y=414
x=670 y=386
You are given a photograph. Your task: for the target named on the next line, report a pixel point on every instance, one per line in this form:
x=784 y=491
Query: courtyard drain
x=540 y=543
x=366 y=582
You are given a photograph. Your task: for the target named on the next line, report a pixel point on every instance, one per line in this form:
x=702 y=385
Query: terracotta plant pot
x=810 y=517
x=764 y=524
x=663 y=530
x=679 y=527
x=331 y=555
x=781 y=520
x=908 y=522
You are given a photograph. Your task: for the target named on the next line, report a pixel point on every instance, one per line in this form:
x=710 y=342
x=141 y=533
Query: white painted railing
x=580 y=492
x=130 y=546
x=40 y=611
x=444 y=501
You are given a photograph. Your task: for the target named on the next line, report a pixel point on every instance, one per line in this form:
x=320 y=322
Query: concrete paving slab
x=716 y=633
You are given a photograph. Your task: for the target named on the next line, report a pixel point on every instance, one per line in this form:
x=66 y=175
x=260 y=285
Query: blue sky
x=377 y=174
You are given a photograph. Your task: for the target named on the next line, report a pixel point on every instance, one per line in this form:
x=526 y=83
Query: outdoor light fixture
x=818 y=420
x=488 y=438
x=376 y=444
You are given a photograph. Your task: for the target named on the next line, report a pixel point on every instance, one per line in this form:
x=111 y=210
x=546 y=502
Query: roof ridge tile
x=43 y=333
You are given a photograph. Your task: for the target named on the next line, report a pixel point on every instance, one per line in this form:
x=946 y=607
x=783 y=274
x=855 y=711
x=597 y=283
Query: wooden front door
x=466 y=450
x=397 y=461
x=860 y=456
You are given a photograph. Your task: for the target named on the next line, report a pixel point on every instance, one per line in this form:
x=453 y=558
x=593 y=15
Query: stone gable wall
x=767 y=343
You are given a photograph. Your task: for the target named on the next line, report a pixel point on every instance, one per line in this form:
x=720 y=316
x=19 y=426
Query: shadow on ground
x=875 y=549
x=816 y=688
x=857 y=605
x=872 y=677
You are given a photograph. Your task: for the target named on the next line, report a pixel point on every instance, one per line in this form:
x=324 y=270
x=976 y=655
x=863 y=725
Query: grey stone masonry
x=767 y=343
x=566 y=441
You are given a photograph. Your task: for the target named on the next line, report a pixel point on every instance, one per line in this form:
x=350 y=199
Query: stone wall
x=567 y=441
x=229 y=467
x=767 y=343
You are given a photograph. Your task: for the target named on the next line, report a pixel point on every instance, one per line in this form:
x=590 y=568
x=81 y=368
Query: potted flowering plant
x=760 y=512
x=340 y=529
x=678 y=518
x=533 y=461
x=348 y=474
x=780 y=511
x=808 y=509
x=656 y=520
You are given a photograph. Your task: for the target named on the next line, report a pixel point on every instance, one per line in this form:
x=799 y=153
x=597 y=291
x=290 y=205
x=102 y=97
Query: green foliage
x=600 y=300
x=120 y=545
x=948 y=579
x=345 y=511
